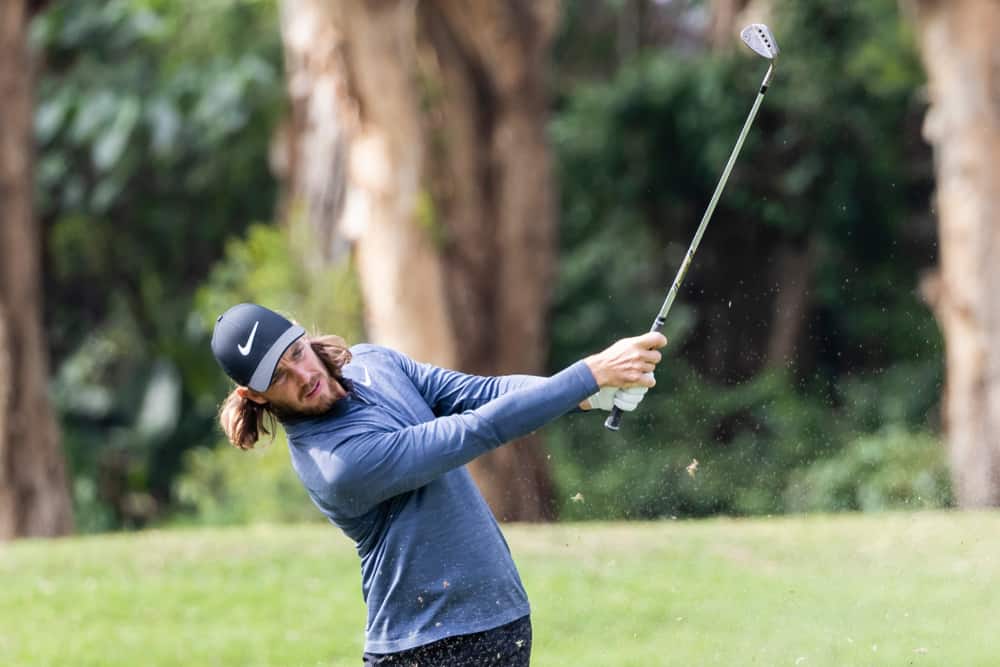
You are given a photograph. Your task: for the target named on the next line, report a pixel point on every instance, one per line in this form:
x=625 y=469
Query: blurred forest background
x=504 y=187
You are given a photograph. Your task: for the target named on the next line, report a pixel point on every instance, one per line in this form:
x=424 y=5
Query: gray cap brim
x=261 y=378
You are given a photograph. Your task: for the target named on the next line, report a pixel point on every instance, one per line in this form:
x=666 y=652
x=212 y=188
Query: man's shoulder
x=369 y=358
x=371 y=353
x=368 y=348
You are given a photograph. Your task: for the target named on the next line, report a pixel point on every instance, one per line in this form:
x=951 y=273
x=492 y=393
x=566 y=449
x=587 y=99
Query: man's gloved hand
x=625 y=399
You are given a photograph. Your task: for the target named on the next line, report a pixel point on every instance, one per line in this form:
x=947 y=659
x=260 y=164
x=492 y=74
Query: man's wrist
x=596 y=369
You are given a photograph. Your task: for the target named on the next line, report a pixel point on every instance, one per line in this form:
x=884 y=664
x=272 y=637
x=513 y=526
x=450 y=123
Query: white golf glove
x=625 y=399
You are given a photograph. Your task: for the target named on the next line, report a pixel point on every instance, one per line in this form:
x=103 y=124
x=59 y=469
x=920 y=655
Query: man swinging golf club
x=380 y=442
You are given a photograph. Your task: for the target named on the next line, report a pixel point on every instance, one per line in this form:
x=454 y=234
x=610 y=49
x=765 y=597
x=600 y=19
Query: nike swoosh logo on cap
x=245 y=348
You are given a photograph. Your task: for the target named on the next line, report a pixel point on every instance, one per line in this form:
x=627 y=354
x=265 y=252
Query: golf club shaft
x=613 y=422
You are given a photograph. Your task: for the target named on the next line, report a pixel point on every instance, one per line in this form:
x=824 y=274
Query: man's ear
x=250 y=394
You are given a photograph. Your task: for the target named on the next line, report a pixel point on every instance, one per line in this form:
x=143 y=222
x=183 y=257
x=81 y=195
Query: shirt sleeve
x=448 y=392
x=375 y=466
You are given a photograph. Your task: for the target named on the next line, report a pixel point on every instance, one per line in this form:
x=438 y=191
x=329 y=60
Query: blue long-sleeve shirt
x=386 y=465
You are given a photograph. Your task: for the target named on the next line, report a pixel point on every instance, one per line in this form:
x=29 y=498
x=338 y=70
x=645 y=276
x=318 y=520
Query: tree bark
x=34 y=495
x=793 y=273
x=958 y=41
x=439 y=112
x=728 y=17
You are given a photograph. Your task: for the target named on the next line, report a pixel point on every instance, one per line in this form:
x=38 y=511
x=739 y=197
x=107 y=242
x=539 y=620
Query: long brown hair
x=243 y=421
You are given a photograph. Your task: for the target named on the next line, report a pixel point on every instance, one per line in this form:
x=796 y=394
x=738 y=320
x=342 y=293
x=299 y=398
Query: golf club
x=759 y=38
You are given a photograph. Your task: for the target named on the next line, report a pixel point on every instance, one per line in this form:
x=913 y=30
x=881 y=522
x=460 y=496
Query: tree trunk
x=728 y=17
x=438 y=110
x=793 y=274
x=958 y=41
x=34 y=495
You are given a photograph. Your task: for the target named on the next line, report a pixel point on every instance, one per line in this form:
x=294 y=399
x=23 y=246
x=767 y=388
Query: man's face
x=301 y=384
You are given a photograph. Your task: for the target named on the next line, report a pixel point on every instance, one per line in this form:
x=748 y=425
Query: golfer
x=380 y=443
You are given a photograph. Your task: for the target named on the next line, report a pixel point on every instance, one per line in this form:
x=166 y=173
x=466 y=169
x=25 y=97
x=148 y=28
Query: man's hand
x=629 y=362
x=610 y=397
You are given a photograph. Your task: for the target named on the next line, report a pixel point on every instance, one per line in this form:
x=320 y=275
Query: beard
x=285 y=411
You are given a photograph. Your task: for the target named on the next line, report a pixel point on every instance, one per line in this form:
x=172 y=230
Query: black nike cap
x=248 y=341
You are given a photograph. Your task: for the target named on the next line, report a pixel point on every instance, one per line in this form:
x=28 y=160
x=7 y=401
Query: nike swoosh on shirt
x=245 y=348
x=367 y=382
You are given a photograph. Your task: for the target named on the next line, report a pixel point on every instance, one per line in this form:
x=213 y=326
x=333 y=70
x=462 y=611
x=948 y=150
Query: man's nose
x=299 y=374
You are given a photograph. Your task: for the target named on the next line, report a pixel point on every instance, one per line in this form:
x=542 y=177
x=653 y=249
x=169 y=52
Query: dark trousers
x=506 y=646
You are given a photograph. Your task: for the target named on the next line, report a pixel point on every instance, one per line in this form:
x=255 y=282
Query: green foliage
x=226 y=486
x=830 y=171
x=280 y=267
x=153 y=123
x=755 y=442
x=277 y=267
x=890 y=469
x=826 y=163
x=745 y=439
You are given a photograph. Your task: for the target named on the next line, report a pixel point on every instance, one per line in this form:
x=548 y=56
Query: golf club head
x=759 y=38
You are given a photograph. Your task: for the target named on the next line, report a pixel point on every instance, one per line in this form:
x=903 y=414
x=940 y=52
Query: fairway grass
x=888 y=589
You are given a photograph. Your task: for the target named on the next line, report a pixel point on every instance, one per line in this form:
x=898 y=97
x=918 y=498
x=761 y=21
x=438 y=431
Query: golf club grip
x=614 y=420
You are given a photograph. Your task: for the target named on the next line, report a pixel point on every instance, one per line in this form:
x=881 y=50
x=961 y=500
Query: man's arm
x=448 y=392
x=368 y=469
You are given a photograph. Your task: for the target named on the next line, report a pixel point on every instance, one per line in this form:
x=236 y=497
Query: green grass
x=892 y=589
